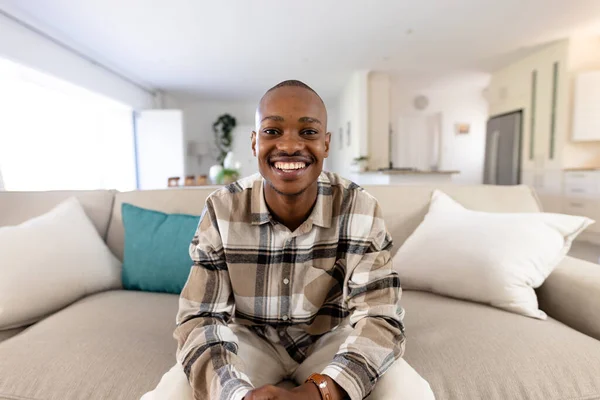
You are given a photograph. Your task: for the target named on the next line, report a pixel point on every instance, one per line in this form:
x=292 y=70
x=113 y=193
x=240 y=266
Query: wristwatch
x=321 y=383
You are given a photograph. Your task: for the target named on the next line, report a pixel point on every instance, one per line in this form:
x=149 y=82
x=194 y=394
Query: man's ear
x=253 y=137
x=327 y=142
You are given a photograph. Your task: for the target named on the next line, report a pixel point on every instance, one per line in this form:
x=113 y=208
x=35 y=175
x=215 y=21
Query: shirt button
x=285 y=317
x=286 y=281
x=281 y=333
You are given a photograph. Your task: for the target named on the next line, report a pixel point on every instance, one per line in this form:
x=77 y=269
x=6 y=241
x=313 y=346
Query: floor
x=586 y=251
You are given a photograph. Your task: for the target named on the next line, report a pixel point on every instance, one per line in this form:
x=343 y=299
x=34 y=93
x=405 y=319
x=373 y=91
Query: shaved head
x=294 y=83
x=291 y=83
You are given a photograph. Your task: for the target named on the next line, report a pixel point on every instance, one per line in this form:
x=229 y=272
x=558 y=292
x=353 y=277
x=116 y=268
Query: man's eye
x=309 y=132
x=270 y=131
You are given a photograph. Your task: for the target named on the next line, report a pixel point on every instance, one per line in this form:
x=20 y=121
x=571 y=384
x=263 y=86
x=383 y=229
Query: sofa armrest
x=571 y=294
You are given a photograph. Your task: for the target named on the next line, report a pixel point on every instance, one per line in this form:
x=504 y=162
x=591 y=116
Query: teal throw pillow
x=157 y=246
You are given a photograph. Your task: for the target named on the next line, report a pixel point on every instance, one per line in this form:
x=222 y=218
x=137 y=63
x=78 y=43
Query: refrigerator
x=503 y=150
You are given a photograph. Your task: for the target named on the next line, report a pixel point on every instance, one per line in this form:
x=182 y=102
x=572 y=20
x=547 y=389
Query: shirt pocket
x=322 y=286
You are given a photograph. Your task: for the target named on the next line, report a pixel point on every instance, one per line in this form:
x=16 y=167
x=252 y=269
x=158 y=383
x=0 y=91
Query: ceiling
x=235 y=49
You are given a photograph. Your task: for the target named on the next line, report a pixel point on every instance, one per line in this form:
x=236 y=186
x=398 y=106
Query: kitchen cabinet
x=582 y=195
x=586 y=106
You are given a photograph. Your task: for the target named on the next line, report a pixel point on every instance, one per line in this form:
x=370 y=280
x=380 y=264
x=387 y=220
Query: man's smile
x=290 y=168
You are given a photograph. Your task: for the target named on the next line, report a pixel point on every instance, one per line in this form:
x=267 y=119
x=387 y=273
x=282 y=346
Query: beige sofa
x=117 y=344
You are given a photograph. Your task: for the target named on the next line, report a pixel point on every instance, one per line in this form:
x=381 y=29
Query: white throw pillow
x=492 y=258
x=49 y=262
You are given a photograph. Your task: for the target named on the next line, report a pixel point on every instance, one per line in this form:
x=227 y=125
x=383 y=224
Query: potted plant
x=222 y=128
x=221 y=173
x=359 y=164
x=229 y=176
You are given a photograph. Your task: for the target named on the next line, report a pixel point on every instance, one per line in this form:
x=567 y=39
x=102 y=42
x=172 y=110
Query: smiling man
x=292 y=278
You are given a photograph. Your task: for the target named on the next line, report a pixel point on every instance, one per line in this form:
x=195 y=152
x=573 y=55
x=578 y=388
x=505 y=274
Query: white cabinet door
x=582 y=184
x=586 y=108
x=582 y=195
x=159 y=147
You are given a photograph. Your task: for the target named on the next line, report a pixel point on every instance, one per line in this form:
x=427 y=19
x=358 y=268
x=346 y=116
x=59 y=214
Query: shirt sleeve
x=207 y=347
x=377 y=339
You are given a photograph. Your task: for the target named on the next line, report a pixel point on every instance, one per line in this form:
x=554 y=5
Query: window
x=57 y=136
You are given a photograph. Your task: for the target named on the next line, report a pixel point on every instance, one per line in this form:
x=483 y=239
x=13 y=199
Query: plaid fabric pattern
x=290 y=287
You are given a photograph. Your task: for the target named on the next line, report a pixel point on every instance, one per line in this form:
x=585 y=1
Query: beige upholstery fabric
x=571 y=294
x=116 y=345
x=468 y=351
x=6 y=334
x=113 y=345
x=404 y=207
x=18 y=207
x=183 y=200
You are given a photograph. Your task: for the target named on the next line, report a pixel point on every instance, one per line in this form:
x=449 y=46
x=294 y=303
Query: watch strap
x=321 y=383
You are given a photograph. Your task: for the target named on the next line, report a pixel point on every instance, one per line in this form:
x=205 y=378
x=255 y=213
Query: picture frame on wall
x=341 y=138
x=462 y=128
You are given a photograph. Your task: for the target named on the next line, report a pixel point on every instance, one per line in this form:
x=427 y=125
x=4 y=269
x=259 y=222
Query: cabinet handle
x=578 y=190
x=577 y=205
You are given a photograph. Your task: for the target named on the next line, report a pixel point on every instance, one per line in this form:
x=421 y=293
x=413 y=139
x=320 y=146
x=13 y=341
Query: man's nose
x=290 y=143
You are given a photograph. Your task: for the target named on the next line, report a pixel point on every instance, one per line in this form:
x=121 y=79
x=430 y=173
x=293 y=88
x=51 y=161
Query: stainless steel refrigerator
x=503 y=150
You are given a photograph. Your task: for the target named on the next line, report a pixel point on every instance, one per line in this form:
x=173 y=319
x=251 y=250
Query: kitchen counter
x=413 y=172
x=582 y=169
x=402 y=177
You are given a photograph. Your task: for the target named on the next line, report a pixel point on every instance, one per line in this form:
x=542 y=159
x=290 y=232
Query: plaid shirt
x=290 y=287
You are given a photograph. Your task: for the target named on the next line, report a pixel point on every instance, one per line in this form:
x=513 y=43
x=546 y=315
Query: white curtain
x=56 y=136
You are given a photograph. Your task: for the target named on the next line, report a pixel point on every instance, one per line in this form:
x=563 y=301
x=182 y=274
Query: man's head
x=291 y=139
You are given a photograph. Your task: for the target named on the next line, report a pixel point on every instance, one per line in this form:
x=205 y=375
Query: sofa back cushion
x=18 y=207
x=404 y=206
x=172 y=201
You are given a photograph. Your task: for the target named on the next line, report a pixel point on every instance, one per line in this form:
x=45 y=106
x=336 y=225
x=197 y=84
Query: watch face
x=323 y=385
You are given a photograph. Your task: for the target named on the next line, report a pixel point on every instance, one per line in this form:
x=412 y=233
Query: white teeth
x=289 y=166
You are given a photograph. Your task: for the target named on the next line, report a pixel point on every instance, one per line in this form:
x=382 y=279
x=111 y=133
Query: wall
x=510 y=89
x=198 y=118
x=352 y=120
x=461 y=101
x=21 y=45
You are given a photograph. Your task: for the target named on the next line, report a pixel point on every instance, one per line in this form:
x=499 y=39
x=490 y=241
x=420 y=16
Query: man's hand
x=308 y=391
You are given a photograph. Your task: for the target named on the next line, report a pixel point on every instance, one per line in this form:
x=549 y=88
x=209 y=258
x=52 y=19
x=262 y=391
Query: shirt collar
x=321 y=214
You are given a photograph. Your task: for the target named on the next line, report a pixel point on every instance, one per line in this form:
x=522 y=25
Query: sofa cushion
x=8 y=333
x=117 y=345
x=404 y=206
x=18 y=207
x=180 y=201
x=157 y=257
x=112 y=345
x=469 y=351
x=51 y=261
x=513 y=254
x=571 y=294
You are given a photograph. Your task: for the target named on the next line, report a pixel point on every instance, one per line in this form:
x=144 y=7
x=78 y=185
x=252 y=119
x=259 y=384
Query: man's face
x=291 y=139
